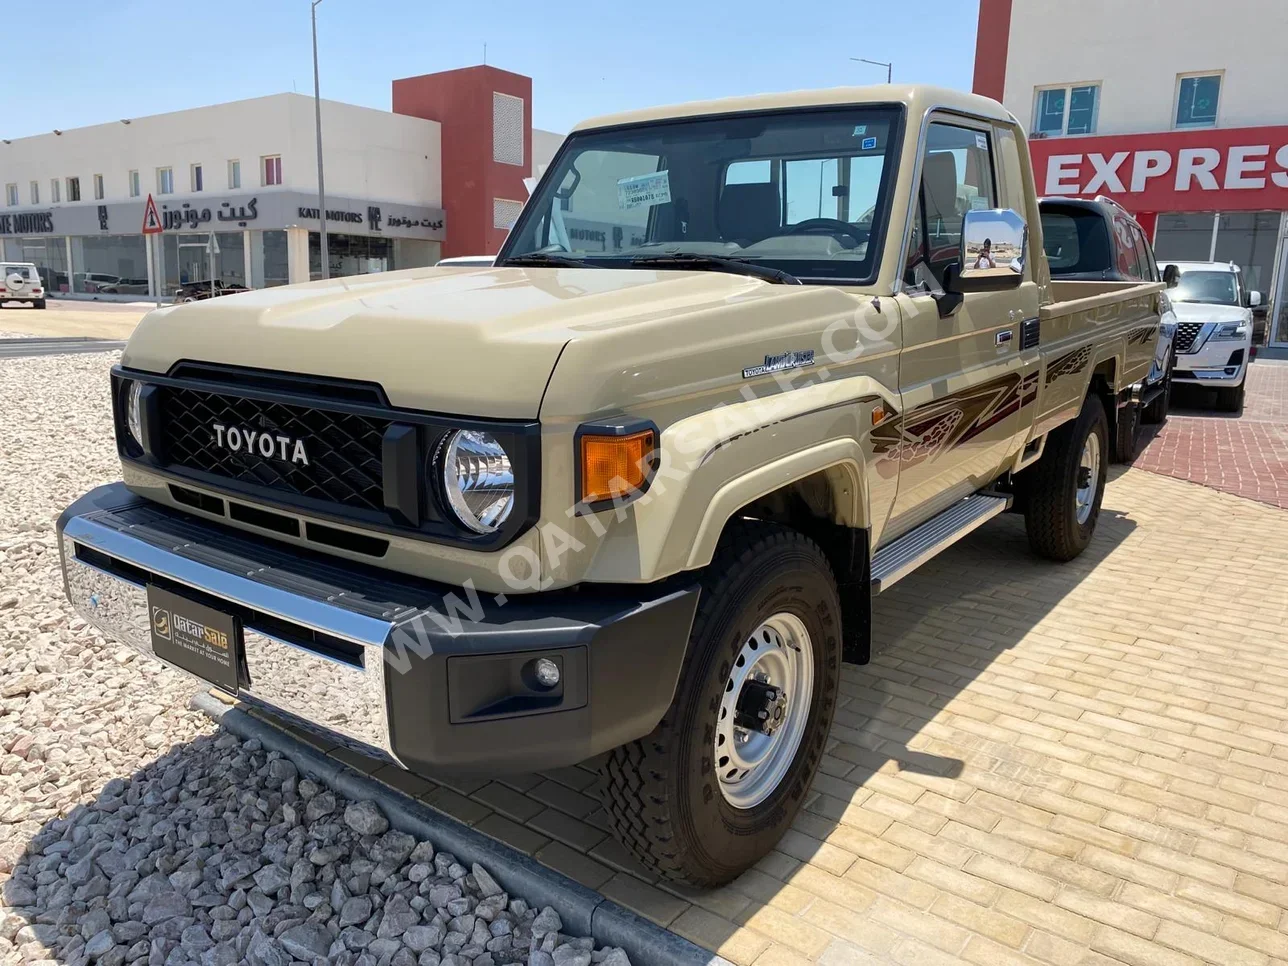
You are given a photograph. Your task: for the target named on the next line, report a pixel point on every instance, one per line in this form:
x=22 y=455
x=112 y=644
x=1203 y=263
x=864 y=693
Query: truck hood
x=469 y=341
x=1209 y=312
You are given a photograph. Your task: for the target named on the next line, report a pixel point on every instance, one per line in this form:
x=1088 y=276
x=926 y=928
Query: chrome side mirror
x=993 y=248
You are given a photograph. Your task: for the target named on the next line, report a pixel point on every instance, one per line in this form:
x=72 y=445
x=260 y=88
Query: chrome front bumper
x=430 y=677
x=343 y=697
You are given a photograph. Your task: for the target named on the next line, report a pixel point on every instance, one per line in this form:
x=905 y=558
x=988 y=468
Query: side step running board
x=896 y=560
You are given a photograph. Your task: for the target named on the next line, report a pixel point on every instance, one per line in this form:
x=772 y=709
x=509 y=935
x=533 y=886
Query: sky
x=129 y=58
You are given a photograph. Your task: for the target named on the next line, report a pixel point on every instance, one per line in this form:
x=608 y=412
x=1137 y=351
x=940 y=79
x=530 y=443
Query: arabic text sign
x=644 y=189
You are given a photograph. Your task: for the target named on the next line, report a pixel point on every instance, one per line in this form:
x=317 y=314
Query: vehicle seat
x=749 y=212
x=943 y=220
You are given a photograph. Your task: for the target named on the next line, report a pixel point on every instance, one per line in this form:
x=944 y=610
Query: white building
x=1174 y=108
x=236 y=188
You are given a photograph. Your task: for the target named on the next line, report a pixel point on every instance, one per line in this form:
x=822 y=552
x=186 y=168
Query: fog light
x=546 y=672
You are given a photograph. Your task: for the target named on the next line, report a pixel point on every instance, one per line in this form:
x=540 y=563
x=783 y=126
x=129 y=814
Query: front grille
x=1186 y=333
x=344 y=450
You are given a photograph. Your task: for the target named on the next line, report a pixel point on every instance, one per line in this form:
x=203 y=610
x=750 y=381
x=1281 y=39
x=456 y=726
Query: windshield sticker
x=644 y=189
x=860 y=130
x=869 y=144
x=981 y=142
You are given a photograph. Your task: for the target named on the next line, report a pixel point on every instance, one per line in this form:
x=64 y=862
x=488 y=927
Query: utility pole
x=878 y=63
x=317 y=111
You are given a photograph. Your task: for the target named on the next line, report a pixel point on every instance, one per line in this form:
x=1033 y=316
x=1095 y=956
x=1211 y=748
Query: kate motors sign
x=1235 y=169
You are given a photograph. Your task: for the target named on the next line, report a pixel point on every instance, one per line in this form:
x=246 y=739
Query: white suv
x=20 y=282
x=1214 y=331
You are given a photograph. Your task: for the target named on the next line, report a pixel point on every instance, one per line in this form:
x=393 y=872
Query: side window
x=1148 y=270
x=957 y=175
x=1125 y=243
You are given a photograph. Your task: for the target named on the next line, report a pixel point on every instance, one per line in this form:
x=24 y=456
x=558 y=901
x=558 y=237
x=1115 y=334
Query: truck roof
x=918 y=97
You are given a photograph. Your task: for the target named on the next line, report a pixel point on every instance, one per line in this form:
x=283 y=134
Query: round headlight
x=134 y=411
x=478 y=479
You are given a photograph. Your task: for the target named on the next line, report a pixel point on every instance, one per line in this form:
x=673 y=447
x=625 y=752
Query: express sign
x=1239 y=169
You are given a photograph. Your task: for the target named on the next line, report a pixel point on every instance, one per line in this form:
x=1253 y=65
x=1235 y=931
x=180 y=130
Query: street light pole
x=878 y=63
x=317 y=111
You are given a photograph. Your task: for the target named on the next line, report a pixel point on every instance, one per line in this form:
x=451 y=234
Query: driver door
x=961 y=376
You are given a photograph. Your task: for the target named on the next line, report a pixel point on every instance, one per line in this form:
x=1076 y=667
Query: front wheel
x=1128 y=432
x=1063 y=490
x=1156 y=411
x=1230 y=400
x=716 y=784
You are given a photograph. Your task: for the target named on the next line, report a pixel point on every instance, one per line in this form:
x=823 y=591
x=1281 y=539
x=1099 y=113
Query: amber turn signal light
x=615 y=467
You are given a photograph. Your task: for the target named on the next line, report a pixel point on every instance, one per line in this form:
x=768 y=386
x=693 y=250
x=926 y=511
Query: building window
x=507 y=129
x=505 y=213
x=272 y=169
x=195 y=179
x=1196 y=100
x=35 y=192
x=55 y=190
x=73 y=189
x=234 y=174
x=98 y=187
x=165 y=181
x=134 y=184
x=1066 y=110
x=11 y=195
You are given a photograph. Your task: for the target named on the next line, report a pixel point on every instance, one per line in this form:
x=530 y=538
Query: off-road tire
x=1156 y=412
x=39 y=303
x=1231 y=400
x=1051 y=484
x=661 y=793
x=1127 y=431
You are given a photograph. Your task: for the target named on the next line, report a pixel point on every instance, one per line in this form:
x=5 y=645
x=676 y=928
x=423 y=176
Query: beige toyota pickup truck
x=628 y=493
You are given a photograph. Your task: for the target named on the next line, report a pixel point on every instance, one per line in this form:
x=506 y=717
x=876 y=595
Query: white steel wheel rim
x=1088 y=477
x=750 y=764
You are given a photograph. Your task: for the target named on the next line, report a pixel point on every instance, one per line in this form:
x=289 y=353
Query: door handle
x=1004 y=336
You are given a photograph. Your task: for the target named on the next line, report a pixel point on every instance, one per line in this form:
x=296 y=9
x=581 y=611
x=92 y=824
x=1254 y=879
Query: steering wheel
x=833 y=226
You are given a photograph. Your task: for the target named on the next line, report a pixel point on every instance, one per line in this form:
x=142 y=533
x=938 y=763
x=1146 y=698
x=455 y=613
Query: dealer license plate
x=195 y=637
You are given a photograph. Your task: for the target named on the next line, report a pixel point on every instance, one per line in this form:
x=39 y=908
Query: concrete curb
x=583 y=911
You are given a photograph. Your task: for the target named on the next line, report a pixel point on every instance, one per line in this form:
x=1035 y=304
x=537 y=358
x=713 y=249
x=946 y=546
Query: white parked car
x=20 y=282
x=1214 y=329
x=468 y=261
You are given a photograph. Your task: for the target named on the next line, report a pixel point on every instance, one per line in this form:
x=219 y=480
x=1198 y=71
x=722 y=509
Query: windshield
x=1217 y=288
x=803 y=192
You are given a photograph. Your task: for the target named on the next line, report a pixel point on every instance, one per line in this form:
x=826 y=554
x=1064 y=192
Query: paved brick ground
x=1076 y=764
x=1246 y=455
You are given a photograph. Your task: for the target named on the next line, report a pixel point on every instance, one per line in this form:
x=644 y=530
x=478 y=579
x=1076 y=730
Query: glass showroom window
x=35 y=192
x=98 y=187
x=165 y=181
x=134 y=184
x=73 y=189
x=1196 y=100
x=1066 y=110
x=11 y=195
x=272 y=169
x=110 y=264
x=234 y=174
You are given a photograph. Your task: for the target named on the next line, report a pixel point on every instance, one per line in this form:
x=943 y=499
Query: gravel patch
x=132 y=830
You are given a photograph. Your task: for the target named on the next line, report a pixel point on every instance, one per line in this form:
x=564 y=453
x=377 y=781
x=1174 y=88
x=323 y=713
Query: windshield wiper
x=698 y=262
x=544 y=259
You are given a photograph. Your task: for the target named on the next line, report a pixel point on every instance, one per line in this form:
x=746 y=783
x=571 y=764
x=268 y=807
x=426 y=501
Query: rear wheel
x=1064 y=488
x=1230 y=400
x=39 y=303
x=716 y=784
